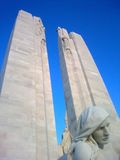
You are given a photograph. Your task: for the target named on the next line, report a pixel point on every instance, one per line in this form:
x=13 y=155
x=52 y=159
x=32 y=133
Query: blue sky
x=98 y=21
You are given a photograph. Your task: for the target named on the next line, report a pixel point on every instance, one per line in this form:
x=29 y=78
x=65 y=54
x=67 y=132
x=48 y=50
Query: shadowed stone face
x=101 y=135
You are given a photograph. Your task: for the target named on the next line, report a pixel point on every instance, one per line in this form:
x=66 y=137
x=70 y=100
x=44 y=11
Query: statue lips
x=106 y=138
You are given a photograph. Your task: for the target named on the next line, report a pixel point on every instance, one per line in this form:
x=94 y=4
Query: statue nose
x=106 y=131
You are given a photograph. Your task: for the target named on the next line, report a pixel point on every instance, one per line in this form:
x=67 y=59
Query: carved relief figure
x=65 y=38
x=92 y=136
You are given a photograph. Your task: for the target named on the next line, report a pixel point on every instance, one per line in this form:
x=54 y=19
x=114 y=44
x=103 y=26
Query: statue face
x=101 y=135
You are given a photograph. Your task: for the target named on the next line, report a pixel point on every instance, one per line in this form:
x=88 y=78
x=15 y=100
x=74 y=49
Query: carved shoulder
x=82 y=151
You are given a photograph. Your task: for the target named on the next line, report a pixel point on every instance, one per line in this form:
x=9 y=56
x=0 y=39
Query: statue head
x=93 y=122
x=101 y=134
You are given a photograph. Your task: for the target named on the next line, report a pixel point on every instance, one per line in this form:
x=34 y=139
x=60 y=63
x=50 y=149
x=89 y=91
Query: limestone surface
x=27 y=125
x=83 y=84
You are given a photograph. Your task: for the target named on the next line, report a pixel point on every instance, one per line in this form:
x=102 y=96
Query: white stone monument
x=83 y=84
x=27 y=125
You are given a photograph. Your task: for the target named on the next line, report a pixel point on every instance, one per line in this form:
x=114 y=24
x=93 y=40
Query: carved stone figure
x=65 y=38
x=92 y=136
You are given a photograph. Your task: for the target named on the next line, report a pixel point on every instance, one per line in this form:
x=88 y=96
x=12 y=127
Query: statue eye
x=102 y=127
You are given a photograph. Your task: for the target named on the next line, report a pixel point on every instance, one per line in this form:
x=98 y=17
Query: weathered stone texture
x=27 y=125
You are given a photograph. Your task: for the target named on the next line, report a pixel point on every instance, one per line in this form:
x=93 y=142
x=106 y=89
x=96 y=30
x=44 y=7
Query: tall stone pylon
x=27 y=125
x=82 y=82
